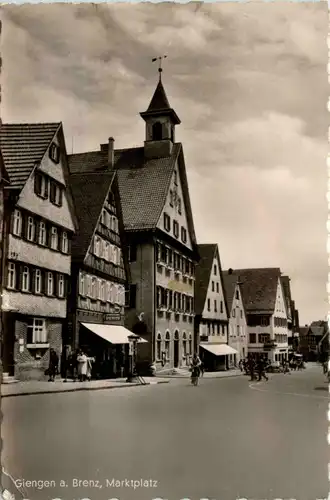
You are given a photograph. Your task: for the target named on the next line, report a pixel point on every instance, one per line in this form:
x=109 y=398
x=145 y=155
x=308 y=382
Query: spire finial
x=160 y=69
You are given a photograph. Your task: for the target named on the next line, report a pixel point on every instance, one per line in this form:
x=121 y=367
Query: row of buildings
x=91 y=241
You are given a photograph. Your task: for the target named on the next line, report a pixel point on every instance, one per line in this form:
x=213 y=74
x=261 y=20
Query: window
x=163 y=253
x=221 y=306
x=184 y=235
x=215 y=269
x=170 y=299
x=215 y=306
x=11 y=281
x=82 y=288
x=175 y=177
x=93 y=288
x=50 y=284
x=60 y=285
x=17 y=223
x=184 y=344
x=42 y=234
x=223 y=330
x=56 y=191
x=237 y=294
x=170 y=257
x=37 y=281
x=171 y=197
x=97 y=246
x=233 y=313
x=36 y=331
x=102 y=291
x=31 y=229
x=218 y=288
x=159 y=347
x=212 y=286
x=65 y=242
x=241 y=313
x=132 y=253
x=41 y=185
x=209 y=304
x=237 y=330
x=26 y=279
x=104 y=217
x=218 y=328
x=167 y=222
x=264 y=338
x=179 y=206
x=175 y=228
x=253 y=338
x=54 y=239
x=157 y=131
x=190 y=344
x=54 y=153
x=167 y=345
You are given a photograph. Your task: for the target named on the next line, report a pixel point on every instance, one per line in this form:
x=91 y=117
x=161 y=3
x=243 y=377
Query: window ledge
x=37 y=346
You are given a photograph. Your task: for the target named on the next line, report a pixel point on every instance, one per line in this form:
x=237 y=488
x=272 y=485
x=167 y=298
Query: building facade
x=212 y=313
x=38 y=260
x=160 y=234
x=238 y=335
x=266 y=314
x=4 y=233
x=100 y=273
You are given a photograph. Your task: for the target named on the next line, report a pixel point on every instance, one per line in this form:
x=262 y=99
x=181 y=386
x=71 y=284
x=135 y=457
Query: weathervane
x=160 y=69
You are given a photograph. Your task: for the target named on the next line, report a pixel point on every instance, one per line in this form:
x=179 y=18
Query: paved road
x=225 y=439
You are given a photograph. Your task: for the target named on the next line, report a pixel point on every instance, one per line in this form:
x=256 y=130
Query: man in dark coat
x=261 y=369
x=53 y=365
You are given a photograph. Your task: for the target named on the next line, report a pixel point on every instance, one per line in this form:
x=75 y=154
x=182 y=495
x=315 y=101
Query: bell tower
x=160 y=120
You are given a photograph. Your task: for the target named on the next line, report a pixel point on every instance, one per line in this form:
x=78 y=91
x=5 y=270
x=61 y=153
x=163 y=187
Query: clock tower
x=160 y=120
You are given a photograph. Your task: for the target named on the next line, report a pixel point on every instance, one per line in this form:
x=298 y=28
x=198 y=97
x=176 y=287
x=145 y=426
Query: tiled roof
x=229 y=281
x=258 y=287
x=159 y=100
x=143 y=183
x=203 y=271
x=303 y=331
x=24 y=145
x=317 y=330
x=89 y=192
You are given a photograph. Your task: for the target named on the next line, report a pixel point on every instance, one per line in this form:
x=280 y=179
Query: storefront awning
x=115 y=334
x=219 y=349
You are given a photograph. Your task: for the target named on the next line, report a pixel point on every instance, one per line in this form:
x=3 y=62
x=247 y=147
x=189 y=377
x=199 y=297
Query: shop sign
x=112 y=317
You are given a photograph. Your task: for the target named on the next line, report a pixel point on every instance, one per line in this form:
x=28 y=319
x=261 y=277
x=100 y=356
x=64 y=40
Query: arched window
x=190 y=344
x=26 y=280
x=167 y=345
x=159 y=347
x=176 y=335
x=157 y=131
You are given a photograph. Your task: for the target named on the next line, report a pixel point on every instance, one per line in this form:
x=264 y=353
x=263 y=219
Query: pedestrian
x=202 y=368
x=66 y=363
x=261 y=370
x=82 y=366
x=53 y=365
x=251 y=368
x=90 y=361
x=195 y=369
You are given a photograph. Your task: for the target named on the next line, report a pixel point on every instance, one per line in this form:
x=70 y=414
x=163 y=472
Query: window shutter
x=46 y=187
x=44 y=281
x=48 y=235
x=52 y=196
x=33 y=280
x=37 y=183
x=19 y=276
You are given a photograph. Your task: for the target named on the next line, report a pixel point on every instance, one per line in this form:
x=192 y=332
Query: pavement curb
x=204 y=378
x=76 y=389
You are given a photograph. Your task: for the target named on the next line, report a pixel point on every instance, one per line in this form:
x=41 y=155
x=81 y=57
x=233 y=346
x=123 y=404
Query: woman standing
x=82 y=366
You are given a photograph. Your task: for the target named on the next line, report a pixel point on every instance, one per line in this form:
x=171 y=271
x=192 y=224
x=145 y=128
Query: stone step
x=8 y=379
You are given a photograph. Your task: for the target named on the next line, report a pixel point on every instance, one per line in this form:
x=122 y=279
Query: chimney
x=111 y=152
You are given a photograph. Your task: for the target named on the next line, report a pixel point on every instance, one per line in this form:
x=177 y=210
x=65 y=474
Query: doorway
x=176 y=349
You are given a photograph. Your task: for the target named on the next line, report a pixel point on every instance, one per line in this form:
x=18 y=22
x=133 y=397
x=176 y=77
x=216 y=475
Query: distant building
x=42 y=223
x=4 y=233
x=238 y=335
x=314 y=340
x=264 y=303
x=160 y=233
x=211 y=321
x=100 y=273
x=292 y=314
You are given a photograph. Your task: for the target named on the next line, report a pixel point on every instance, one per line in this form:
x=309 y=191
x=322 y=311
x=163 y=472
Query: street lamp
x=132 y=339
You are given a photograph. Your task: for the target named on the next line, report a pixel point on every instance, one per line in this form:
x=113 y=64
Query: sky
x=249 y=83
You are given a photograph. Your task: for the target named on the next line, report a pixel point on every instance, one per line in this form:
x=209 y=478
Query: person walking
x=195 y=369
x=251 y=368
x=53 y=365
x=261 y=370
x=90 y=361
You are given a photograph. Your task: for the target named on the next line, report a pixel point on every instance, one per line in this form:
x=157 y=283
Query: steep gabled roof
x=303 y=331
x=143 y=183
x=318 y=331
x=230 y=282
x=207 y=252
x=89 y=192
x=24 y=145
x=259 y=288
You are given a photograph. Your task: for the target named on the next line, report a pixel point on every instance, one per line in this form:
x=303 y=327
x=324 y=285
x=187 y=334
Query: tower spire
x=160 y=69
